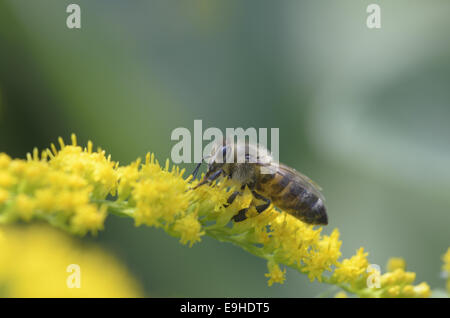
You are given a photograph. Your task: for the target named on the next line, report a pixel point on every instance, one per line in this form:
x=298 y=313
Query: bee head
x=221 y=152
x=219 y=157
x=217 y=162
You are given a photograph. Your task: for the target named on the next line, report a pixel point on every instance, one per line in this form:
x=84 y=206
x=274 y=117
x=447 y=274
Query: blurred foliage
x=362 y=112
x=42 y=258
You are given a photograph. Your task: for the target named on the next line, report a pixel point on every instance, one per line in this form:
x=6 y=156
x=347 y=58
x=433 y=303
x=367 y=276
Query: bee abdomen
x=302 y=204
x=313 y=214
x=277 y=184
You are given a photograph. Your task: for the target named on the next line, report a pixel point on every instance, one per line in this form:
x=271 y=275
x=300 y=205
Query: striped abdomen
x=294 y=194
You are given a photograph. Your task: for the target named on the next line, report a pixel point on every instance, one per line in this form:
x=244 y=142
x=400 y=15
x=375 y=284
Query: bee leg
x=261 y=208
x=240 y=216
x=215 y=175
x=210 y=178
x=231 y=198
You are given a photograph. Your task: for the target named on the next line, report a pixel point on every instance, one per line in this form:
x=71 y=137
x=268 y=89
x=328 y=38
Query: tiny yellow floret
x=189 y=229
x=275 y=275
x=350 y=270
x=395 y=263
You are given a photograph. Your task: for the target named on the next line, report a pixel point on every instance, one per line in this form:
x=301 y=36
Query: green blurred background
x=365 y=113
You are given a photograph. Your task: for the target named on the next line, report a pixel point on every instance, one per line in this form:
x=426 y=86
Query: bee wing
x=296 y=176
x=265 y=160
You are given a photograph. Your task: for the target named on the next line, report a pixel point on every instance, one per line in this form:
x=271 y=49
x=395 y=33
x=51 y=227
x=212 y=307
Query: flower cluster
x=352 y=270
x=160 y=197
x=397 y=282
x=60 y=187
x=69 y=188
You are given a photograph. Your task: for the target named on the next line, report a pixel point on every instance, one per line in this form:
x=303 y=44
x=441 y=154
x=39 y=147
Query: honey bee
x=269 y=181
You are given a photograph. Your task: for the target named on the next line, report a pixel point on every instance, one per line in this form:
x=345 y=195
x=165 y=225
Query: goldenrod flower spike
x=69 y=188
x=61 y=190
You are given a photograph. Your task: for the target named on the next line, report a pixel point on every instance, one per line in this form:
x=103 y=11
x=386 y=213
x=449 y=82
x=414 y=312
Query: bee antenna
x=194 y=173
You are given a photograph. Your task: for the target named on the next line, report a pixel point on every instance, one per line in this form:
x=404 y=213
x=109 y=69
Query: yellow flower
x=395 y=263
x=160 y=195
x=6 y=179
x=422 y=290
x=58 y=186
x=393 y=291
x=275 y=275
x=4 y=160
x=398 y=283
x=399 y=276
x=34 y=262
x=446 y=260
x=189 y=228
x=46 y=199
x=323 y=256
x=350 y=270
x=94 y=167
x=211 y=201
x=419 y=291
x=4 y=195
x=128 y=176
x=25 y=206
x=88 y=218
